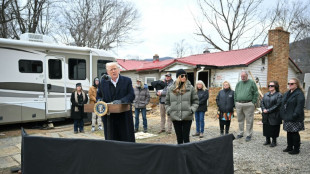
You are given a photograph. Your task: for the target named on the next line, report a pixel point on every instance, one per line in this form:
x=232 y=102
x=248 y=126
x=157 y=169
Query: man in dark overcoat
x=117 y=90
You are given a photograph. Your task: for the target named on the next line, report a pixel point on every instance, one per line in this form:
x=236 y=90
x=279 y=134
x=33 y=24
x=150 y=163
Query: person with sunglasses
x=270 y=106
x=292 y=112
x=181 y=103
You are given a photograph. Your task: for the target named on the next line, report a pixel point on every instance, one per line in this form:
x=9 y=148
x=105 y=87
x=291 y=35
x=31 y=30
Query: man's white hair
x=245 y=72
x=111 y=64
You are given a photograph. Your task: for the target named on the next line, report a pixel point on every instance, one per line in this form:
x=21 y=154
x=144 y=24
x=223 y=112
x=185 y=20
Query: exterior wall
x=232 y=75
x=278 y=59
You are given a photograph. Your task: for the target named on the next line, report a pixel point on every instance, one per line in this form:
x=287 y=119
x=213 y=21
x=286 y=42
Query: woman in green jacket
x=181 y=104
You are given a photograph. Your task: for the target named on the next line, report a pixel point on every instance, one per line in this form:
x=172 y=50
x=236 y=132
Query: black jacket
x=292 y=108
x=203 y=98
x=272 y=103
x=77 y=108
x=225 y=101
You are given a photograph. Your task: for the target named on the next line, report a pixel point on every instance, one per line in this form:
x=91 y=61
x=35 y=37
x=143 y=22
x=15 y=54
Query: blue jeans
x=137 y=113
x=200 y=121
x=78 y=123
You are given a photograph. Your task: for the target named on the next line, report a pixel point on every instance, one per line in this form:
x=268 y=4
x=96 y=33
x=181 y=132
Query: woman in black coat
x=270 y=105
x=226 y=104
x=292 y=112
x=78 y=99
x=203 y=96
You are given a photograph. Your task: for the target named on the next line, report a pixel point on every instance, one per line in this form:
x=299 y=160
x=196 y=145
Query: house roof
x=144 y=65
x=241 y=57
x=130 y=64
x=228 y=58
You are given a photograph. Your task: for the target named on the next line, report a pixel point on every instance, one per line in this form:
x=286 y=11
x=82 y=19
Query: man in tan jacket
x=92 y=93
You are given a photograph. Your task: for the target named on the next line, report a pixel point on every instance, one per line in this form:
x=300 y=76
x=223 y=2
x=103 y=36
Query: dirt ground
x=153 y=122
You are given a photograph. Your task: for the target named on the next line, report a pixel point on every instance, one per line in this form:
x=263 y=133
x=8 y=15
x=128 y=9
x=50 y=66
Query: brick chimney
x=278 y=59
x=155 y=58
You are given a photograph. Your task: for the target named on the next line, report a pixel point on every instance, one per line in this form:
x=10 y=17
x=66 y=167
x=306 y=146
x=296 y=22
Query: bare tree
x=180 y=48
x=99 y=23
x=24 y=16
x=293 y=16
x=231 y=20
x=5 y=18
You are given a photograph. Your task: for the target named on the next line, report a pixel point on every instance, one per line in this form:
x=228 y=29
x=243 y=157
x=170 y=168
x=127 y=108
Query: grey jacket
x=142 y=97
x=181 y=107
x=162 y=98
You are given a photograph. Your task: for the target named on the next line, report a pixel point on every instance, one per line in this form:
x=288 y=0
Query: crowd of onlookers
x=181 y=103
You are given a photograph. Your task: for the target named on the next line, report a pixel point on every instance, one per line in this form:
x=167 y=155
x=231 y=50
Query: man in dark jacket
x=117 y=90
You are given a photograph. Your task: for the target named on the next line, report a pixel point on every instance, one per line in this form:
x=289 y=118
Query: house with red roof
x=265 y=63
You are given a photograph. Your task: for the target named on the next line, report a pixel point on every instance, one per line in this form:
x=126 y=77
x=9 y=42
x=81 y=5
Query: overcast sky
x=163 y=23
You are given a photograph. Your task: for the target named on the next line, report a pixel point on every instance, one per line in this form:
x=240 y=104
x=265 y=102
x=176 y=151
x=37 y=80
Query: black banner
x=87 y=156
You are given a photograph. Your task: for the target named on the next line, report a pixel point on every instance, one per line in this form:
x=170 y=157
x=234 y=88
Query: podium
x=111 y=108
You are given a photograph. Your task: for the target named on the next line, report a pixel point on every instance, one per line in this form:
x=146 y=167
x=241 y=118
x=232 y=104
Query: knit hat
x=78 y=84
x=179 y=72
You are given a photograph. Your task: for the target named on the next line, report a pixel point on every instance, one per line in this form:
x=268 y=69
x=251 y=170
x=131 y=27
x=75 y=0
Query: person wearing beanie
x=92 y=93
x=181 y=103
x=179 y=72
x=78 y=99
x=142 y=98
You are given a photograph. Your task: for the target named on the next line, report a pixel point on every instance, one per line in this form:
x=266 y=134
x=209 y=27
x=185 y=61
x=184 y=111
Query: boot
x=267 y=141
x=295 y=150
x=274 y=142
x=227 y=130
x=222 y=132
x=196 y=134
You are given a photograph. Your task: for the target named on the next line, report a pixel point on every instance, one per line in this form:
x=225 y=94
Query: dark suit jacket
x=121 y=124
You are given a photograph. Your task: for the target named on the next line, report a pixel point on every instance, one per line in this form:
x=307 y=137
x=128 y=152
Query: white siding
x=291 y=72
x=232 y=75
x=218 y=76
x=259 y=71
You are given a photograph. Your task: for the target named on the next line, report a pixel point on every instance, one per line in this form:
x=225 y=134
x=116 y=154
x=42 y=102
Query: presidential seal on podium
x=100 y=108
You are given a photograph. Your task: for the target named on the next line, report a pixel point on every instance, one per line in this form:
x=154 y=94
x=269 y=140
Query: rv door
x=55 y=87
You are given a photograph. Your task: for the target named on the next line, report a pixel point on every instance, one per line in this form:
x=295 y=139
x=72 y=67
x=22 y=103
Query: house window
x=30 y=66
x=148 y=81
x=101 y=68
x=263 y=61
x=77 y=69
x=54 y=69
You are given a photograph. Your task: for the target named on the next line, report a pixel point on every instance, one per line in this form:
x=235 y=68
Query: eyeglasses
x=291 y=83
x=271 y=86
x=183 y=75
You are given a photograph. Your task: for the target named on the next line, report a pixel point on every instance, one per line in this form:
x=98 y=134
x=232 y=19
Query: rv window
x=30 y=66
x=77 y=69
x=54 y=69
x=101 y=69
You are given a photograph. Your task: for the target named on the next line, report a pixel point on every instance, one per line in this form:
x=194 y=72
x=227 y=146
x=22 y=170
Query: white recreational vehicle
x=37 y=78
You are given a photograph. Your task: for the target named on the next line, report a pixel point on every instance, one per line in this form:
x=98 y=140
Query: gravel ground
x=249 y=157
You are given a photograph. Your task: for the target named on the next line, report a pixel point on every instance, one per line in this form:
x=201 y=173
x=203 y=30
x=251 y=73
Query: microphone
x=106 y=77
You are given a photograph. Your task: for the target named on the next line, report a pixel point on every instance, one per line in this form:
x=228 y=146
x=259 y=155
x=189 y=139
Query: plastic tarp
x=87 y=156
